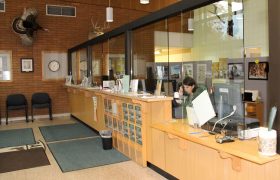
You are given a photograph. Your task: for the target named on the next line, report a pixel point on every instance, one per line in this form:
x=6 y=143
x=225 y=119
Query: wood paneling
x=190 y=156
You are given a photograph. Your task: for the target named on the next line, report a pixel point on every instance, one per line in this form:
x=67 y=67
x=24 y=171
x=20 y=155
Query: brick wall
x=64 y=33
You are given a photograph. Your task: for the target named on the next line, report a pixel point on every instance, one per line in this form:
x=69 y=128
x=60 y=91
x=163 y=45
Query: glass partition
x=212 y=55
x=206 y=44
x=82 y=64
x=218 y=58
x=116 y=57
x=74 y=68
x=97 y=61
x=147 y=43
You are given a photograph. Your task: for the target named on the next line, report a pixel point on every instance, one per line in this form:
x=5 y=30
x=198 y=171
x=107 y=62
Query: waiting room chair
x=41 y=100
x=16 y=102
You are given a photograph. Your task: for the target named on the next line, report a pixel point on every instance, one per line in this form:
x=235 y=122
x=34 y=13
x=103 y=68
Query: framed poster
x=235 y=70
x=26 y=64
x=201 y=73
x=215 y=69
x=258 y=71
x=188 y=70
x=175 y=71
x=96 y=67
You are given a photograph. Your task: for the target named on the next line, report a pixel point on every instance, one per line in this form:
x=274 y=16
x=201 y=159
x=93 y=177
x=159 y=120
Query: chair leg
x=26 y=113
x=50 y=112
x=7 y=116
x=32 y=119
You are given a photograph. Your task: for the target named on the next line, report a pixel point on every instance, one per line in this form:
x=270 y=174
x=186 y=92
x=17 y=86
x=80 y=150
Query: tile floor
x=123 y=171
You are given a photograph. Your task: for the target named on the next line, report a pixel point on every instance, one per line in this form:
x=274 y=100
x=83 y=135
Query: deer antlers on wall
x=97 y=30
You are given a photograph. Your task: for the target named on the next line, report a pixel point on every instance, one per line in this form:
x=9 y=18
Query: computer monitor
x=142 y=85
x=202 y=110
x=225 y=97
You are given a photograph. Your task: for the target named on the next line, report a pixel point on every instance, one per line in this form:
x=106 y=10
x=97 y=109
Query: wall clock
x=54 y=65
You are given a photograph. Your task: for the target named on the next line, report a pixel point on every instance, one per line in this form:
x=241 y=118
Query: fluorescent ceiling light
x=157 y=52
x=144 y=1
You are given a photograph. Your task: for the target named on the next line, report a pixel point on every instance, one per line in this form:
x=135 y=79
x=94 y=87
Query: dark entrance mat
x=24 y=159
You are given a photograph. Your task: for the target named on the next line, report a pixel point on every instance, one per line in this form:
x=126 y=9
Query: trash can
x=106 y=136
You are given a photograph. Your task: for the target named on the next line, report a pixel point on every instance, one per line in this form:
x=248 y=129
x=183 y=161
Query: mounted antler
x=96 y=29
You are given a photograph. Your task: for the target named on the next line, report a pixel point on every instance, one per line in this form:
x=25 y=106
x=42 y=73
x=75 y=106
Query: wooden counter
x=247 y=149
x=133 y=96
x=187 y=150
x=129 y=116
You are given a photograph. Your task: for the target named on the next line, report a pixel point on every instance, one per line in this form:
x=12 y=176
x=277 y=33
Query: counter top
x=247 y=149
x=140 y=97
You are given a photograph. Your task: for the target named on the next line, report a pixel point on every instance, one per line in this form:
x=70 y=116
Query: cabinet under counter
x=189 y=153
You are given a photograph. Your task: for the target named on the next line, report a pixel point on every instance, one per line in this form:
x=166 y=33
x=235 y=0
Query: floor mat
x=23 y=159
x=16 y=137
x=66 y=132
x=85 y=153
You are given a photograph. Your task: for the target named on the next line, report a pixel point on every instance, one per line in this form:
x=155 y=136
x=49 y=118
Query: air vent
x=55 y=10
x=2 y=6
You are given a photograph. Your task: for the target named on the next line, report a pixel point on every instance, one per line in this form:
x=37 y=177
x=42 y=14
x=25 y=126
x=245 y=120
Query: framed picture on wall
x=188 y=70
x=175 y=71
x=235 y=70
x=258 y=71
x=26 y=64
x=201 y=70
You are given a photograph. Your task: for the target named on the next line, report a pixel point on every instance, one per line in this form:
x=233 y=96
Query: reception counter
x=189 y=153
x=128 y=115
x=143 y=130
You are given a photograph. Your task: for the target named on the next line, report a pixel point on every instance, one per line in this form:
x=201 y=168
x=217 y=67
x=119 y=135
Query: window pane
x=5 y=67
x=116 y=57
x=68 y=11
x=2 y=6
x=54 y=10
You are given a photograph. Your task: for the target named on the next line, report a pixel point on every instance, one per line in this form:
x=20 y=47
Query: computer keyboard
x=230 y=125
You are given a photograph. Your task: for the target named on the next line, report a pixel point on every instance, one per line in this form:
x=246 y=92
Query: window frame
x=4 y=10
x=61 y=6
x=9 y=54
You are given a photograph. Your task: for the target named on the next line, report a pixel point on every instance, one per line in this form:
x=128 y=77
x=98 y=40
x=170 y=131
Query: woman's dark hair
x=188 y=81
x=179 y=85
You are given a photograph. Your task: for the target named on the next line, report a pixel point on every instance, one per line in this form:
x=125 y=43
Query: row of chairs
x=18 y=102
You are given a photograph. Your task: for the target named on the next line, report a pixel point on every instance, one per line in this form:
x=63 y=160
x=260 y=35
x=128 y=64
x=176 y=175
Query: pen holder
x=267 y=142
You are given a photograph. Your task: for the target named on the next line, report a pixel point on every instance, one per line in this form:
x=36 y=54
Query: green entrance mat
x=16 y=137
x=66 y=132
x=80 y=154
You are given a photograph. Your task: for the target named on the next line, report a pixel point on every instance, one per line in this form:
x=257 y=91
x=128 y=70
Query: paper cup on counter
x=267 y=141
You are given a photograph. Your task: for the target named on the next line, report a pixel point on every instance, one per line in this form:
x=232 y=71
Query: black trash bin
x=106 y=136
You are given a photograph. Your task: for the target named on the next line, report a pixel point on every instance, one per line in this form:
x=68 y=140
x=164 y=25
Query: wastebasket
x=106 y=136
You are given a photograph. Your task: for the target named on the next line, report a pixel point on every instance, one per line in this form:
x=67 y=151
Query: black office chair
x=16 y=102
x=41 y=100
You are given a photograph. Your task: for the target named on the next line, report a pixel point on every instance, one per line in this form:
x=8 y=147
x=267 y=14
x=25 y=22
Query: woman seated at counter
x=187 y=92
